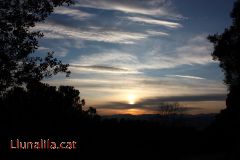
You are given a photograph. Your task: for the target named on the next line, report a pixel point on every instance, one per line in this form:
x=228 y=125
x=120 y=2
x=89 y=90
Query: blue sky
x=124 y=55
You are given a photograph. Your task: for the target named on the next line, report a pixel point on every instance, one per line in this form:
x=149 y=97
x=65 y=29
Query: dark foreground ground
x=114 y=138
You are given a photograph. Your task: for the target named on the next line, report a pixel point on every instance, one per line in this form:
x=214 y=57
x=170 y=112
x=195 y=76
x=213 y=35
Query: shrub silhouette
x=170 y=109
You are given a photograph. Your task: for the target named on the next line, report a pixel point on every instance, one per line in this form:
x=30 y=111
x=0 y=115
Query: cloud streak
x=205 y=97
x=102 y=69
x=143 y=7
x=146 y=20
x=73 y=12
x=53 y=31
x=112 y=57
x=157 y=33
x=185 y=76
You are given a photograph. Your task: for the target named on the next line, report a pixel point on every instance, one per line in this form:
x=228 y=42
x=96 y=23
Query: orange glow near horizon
x=135 y=111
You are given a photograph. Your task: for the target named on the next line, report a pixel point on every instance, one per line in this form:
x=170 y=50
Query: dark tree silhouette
x=22 y=95
x=227 y=48
x=227 y=52
x=40 y=99
x=92 y=112
x=17 y=43
x=71 y=94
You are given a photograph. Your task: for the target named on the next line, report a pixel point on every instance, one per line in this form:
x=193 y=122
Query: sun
x=131 y=99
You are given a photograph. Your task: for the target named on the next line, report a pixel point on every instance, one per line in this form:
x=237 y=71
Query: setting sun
x=131 y=99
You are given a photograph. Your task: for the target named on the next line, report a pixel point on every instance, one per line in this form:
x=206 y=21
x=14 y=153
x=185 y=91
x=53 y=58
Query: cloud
x=146 y=20
x=156 y=33
x=205 y=97
x=72 y=12
x=61 y=47
x=198 y=53
x=102 y=69
x=194 y=52
x=138 y=84
x=122 y=105
x=112 y=58
x=56 y=31
x=185 y=76
x=156 y=103
x=149 y=7
x=107 y=68
x=58 y=51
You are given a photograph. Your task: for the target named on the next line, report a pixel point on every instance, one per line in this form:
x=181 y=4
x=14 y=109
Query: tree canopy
x=227 y=49
x=18 y=66
x=227 y=52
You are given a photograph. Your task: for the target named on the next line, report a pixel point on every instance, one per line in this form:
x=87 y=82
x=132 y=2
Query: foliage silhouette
x=39 y=106
x=227 y=47
x=226 y=51
x=28 y=106
x=92 y=111
x=17 y=43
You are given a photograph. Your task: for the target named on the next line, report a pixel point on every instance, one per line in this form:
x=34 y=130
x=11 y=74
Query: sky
x=132 y=56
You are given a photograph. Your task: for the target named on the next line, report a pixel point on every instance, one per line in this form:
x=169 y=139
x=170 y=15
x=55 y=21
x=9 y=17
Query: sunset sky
x=130 y=56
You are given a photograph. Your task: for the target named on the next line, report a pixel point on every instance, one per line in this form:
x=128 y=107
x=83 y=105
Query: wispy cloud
x=58 y=51
x=118 y=87
x=204 y=97
x=41 y=48
x=102 y=69
x=196 y=51
x=114 y=56
x=185 y=76
x=106 y=58
x=54 y=31
x=73 y=12
x=156 y=33
x=149 y=7
x=164 y=23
